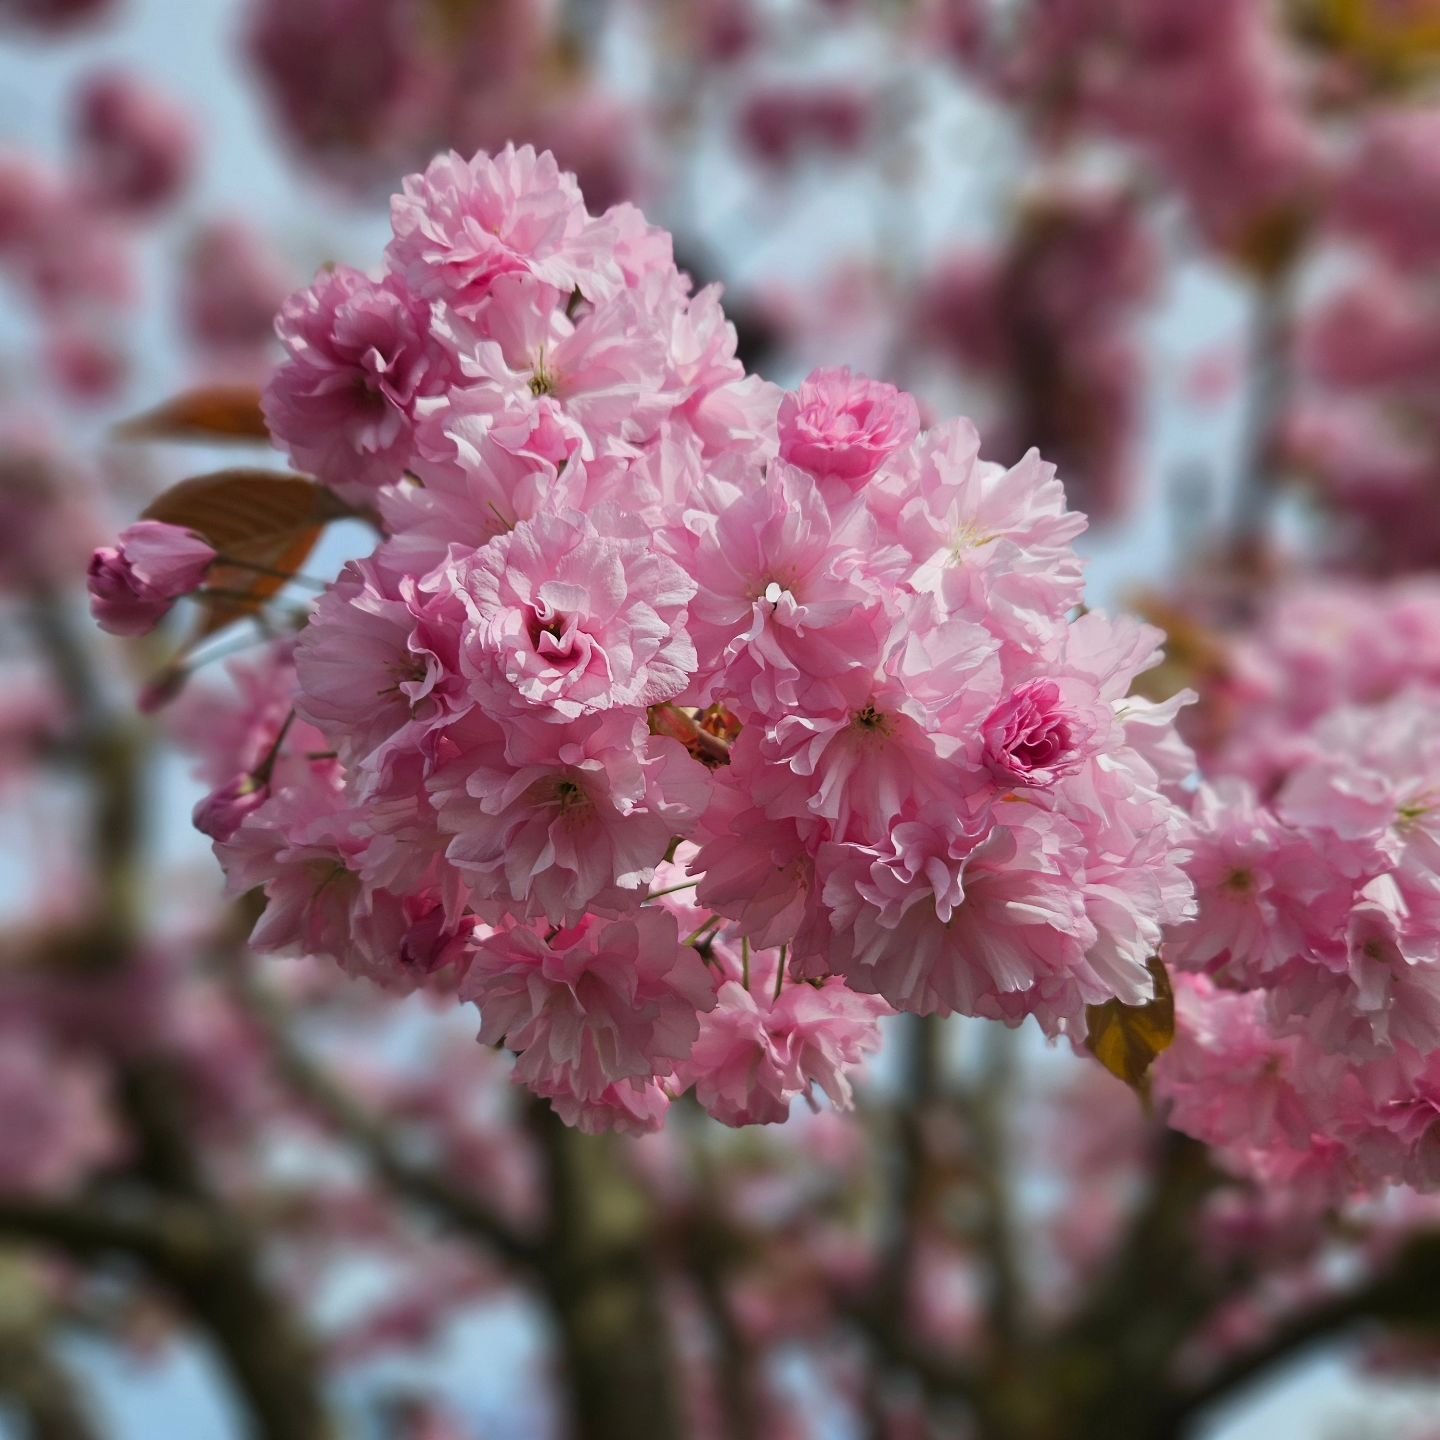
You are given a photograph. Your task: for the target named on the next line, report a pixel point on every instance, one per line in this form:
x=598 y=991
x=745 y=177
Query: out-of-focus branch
x=44 y=1396
x=1112 y=1355
x=600 y=1272
x=941 y=1376
x=1153 y=1255
x=1257 y=483
x=209 y=1264
x=452 y=1203
x=1406 y=1294
x=885 y=1316
x=734 y=1357
x=261 y=1342
x=163 y=1235
x=711 y=1249
x=986 y=1109
x=920 y=1061
x=108 y=750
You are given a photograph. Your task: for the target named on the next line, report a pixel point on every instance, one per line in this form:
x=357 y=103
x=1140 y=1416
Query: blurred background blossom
x=1191 y=253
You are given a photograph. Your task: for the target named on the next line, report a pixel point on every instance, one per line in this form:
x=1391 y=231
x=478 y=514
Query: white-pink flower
x=361 y=357
x=464 y=223
x=843 y=427
x=764 y=1043
x=555 y=820
x=567 y=619
x=379 y=665
x=783 y=610
x=649 y=648
x=588 y=1007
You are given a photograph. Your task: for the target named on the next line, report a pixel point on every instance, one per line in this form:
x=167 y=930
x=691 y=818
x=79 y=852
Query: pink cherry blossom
x=1385 y=192
x=57 y=1122
x=889 y=747
x=782 y=612
x=378 y=665
x=842 y=427
x=1032 y=738
x=650 y=649
x=600 y=1003
x=463 y=224
x=231 y=285
x=761 y=1045
x=1229 y=1078
x=989 y=543
x=552 y=820
x=1317 y=876
x=738 y=1074
x=630 y=1107
x=136 y=147
x=361 y=355
x=567 y=620
x=937 y=923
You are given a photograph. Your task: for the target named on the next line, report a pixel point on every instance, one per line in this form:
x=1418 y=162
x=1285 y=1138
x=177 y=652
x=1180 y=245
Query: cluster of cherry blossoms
x=1310 y=1007
x=682 y=724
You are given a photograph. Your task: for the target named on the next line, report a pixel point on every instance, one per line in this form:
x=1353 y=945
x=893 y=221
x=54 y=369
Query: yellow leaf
x=1125 y=1039
x=222 y=414
x=262 y=523
x=1397 y=41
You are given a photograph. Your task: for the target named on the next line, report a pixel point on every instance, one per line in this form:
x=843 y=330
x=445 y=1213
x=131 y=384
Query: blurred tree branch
x=450 y=1202
x=47 y=1403
x=1405 y=1294
x=176 y=1224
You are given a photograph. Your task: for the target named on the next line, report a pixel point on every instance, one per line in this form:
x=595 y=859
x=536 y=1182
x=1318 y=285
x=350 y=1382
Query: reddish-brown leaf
x=253 y=518
x=221 y=414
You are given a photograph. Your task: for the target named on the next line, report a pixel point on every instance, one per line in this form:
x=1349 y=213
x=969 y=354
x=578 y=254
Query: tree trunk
x=601 y=1278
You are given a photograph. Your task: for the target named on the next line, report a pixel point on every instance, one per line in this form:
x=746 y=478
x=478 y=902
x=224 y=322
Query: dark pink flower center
x=1031 y=737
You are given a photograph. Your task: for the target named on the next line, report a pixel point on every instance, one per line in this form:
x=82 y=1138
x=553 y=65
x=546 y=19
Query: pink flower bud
x=133 y=585
x=219 y=814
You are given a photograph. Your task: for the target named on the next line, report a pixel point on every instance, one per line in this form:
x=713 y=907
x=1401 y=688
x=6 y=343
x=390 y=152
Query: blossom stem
x=266 y=767
x=672 y=890
x=699 y=932
x=289 y=576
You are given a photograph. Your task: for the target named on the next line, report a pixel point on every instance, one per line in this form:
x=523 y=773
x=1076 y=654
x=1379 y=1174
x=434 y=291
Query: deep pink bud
x=219 y=814
x=133 y=585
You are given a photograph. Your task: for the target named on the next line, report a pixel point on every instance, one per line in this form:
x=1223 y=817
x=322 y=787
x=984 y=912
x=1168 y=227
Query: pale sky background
x=186 y=47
